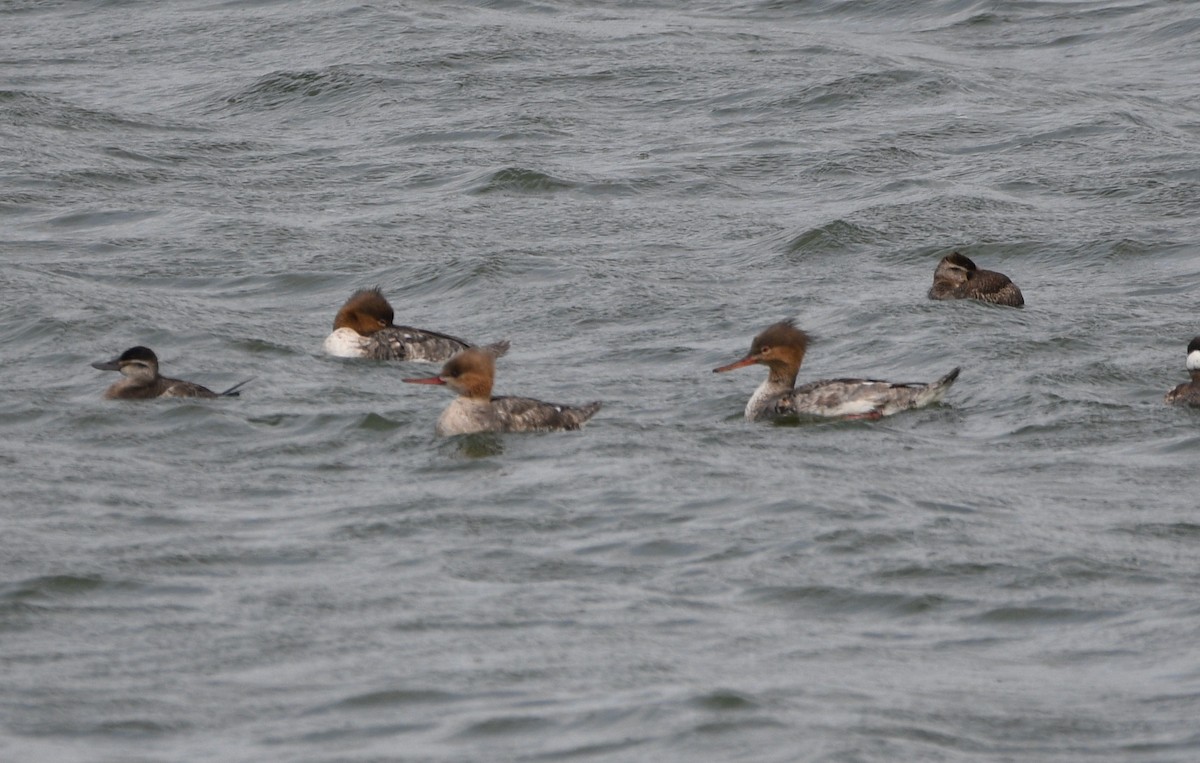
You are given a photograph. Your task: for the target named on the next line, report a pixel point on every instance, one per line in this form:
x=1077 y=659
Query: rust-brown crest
x=471 y=372
x=366 y=311
x=779 y=335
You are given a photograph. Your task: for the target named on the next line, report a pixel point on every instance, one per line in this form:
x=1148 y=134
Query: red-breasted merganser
x=139 y=366
x=470 y=373
x=957 y=277
x=781 y=347
x=363 y=328
x=1188 y=393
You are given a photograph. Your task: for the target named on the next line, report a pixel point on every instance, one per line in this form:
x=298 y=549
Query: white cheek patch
x=1193 y=361
x=137 y=370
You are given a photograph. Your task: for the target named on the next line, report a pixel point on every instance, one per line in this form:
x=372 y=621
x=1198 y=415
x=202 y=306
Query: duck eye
x=764 y=350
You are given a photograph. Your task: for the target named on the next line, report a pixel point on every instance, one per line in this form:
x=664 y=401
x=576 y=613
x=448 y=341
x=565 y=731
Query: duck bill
x=426 y=380
x=107 y=365
x=749 y=360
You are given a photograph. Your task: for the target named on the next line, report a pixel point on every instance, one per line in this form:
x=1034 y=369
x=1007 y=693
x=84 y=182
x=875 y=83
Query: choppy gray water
x=628 y=192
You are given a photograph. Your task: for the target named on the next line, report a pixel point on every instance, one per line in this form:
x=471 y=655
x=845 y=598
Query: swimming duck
x=1188 y=393
x=957 y=277
x=139 y=366
x=363 y=328
x=470 y=373
x=780 y=347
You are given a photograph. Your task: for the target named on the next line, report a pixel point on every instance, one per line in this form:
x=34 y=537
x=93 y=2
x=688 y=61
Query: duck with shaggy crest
x=1188 y=393
x=471 y=373
x=781 y=347
x=957 y=277
x=363 y=328
x=139 y=366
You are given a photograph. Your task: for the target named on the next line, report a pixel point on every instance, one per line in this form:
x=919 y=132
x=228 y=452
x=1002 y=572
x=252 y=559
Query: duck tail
x=934 y=392
x=585 y=412
x=497 y=349
x=233 y=391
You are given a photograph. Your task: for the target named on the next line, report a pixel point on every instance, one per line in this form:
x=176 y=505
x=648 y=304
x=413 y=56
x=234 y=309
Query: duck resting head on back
x=364 y=328
x=957 y=277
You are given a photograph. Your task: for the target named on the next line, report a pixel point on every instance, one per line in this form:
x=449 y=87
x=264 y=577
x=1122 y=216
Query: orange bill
x=749 y=360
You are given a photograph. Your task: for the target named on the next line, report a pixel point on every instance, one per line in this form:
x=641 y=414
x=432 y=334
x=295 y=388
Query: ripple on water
x=53 y=586
x=834 y=600
x=337 y=89
x=517 y=180
x=1047 y=615
x=388 y=698
x=506 y=725
x=832 y=237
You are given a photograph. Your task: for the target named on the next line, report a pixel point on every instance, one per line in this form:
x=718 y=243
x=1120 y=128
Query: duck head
x=470 y=373
x=138 y=363
x=780 y=347
x=367 y=311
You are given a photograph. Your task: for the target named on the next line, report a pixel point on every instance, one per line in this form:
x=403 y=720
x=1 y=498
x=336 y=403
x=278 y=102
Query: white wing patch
x=853 y=407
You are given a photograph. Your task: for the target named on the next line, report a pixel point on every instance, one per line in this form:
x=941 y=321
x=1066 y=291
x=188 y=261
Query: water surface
x=628 y=192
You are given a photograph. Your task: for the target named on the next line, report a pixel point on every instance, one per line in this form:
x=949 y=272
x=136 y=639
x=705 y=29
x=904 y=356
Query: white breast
x=345 y=343
x=464 y=416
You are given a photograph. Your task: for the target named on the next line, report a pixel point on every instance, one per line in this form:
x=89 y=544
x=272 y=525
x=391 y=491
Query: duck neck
x=780 y=381
x=477 y=391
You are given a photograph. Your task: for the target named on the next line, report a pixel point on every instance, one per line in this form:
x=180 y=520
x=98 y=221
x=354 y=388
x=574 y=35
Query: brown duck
x=1188 y=393
x=139 y=367
x=957 y=277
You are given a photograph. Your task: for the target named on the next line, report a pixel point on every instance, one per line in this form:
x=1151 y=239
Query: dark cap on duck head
x=961 y=260
x=133 y=354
